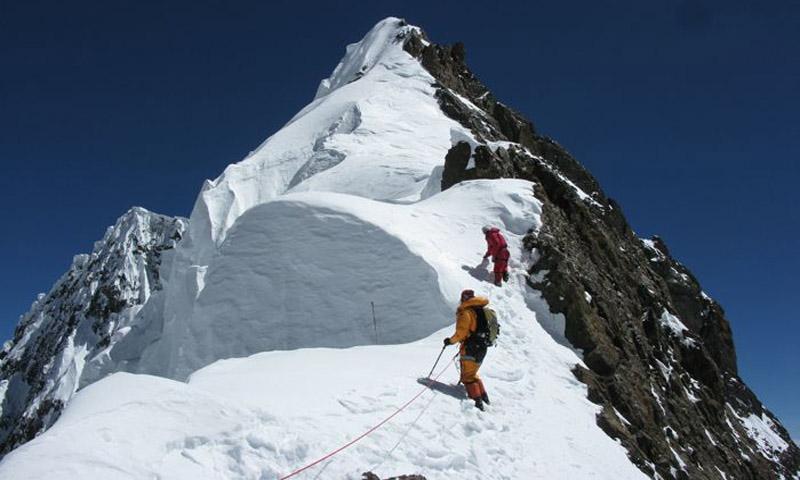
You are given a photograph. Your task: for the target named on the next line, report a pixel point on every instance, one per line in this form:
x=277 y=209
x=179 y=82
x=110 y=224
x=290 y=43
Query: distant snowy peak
x=88 y=309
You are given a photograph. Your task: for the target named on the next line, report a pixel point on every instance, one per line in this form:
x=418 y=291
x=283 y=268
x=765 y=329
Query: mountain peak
x=63 y=342
x=378 y=45
x=314 y=283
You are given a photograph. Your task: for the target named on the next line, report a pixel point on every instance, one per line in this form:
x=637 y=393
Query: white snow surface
x=305 y=269
x=353 y=138
x=762 y=430
x=268 y=357
x=379 y=135
x=272 y=413
x=672 y=323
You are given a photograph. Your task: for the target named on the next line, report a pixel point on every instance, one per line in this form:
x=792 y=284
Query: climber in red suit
x=498 y=250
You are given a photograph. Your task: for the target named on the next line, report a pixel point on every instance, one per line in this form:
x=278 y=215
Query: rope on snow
x=360 y=437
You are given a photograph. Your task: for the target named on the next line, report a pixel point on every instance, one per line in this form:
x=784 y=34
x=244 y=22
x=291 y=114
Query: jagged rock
x=610 y=423
x=455 y=164
x=602 y=359
x=660 y=353
x=660 y=356
x=47 y=359
x=372 y=476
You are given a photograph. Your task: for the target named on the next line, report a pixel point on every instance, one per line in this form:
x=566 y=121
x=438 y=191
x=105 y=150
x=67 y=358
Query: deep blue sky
x=686 y=111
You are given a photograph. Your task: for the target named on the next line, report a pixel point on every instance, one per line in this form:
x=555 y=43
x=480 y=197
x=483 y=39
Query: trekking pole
x=437 y=361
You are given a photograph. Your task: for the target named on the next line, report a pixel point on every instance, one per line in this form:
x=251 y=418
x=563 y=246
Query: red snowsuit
x=498 y=249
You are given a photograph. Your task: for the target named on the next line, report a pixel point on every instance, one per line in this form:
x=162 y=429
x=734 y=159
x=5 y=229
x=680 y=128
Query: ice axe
x=437 y=361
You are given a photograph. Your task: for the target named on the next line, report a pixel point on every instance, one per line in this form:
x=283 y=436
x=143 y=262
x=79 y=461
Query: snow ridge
x=355 y=140
x=272 y=291
x=392 y=101
x=361 y=57
x=66 y=340
x=311 y=289
x=274 y=412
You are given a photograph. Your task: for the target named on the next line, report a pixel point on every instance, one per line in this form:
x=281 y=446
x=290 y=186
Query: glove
x=447 y=341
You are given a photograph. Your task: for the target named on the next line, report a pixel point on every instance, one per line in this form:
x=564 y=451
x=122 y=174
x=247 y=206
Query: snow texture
x=266 y=346
x=672 y=323
x=762 y=430
x=66 y=340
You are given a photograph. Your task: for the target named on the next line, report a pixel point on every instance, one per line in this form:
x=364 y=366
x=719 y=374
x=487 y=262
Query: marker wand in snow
x=437 y=361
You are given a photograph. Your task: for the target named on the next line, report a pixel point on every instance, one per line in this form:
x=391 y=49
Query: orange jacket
x=466 y=319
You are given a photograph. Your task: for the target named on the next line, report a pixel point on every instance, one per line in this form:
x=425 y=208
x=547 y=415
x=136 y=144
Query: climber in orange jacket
x=472 y=350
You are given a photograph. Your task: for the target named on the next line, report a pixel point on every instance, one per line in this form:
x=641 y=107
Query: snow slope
x=269 y=348
x=274 y=412
x=380 y=137
x=353 y=138
x=352 y=253
x=65 y=341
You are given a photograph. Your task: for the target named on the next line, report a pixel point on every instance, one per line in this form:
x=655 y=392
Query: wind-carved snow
x=382 y=137
x=361 y=57
x=394 y=98
x=285 y=255
x=270 y=288
x=274 y=412
x=324 y=157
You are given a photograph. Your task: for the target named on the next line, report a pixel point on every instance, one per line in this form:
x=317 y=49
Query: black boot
x=479 y=404
x=505 y=276
x=485 y=398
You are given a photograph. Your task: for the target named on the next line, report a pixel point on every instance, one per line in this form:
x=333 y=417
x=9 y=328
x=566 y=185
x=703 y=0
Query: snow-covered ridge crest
x=392 y=100
x=306 y=269
x=364 y=55
x=274 y=412
x=335 y=233
x=380 y=138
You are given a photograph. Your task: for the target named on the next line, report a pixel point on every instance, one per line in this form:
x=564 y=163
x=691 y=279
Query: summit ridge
x=311 y=285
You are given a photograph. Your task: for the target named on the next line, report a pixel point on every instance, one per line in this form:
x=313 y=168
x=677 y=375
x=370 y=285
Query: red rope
x=371 y=429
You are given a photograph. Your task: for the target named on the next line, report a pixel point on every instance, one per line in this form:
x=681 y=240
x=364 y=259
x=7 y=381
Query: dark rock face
x=659 y=352
x=372 y=476
x=40 y=369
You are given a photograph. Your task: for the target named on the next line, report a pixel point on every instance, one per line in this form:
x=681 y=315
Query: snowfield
x=269 y=414
x=264 y=352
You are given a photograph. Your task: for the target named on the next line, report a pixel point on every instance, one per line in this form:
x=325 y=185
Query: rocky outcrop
x=658 y=353
x=92 y=306
x=372 y=476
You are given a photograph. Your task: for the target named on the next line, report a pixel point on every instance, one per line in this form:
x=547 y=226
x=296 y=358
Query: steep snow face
x=361 y=57
x=273 y=286
x=306 y=270
x=377 y=133
x=69 y=337
x=333 y=233
x=353 y=138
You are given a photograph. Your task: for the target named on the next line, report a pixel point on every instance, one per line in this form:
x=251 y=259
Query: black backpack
x=487 y=327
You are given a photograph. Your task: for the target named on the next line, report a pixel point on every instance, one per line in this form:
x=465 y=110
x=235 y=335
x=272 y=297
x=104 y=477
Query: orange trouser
x=469 y=371
x=470 y=378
